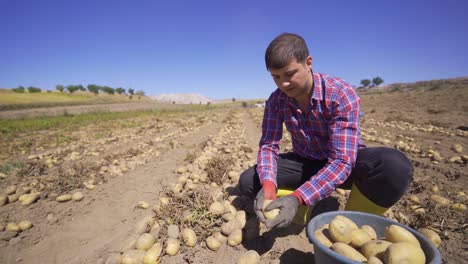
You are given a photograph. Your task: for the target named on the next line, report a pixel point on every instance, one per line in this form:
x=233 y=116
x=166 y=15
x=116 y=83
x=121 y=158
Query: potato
x=229 y=208
x=370 y=231
x=144 y=225
x=404 y=252
x=25 y=225
x=64 y=198
x=323 y=236
x=10 y=189
x=153 y=255
x=340 y=231
x=173 y=231
x=347 y=220
x=12 y=227
x=415 y=198
x=228 y=217
x=216 y=208
x=374 y=260
x=431 y=235
x=459 y=207
x=375 y=248
x=220 y=237
x=182 y=180
x=229 y=227
x=30 y=198
x=172 y=247
x=189 y=237
x=395 y=234
x=235 y=238
x=164 y=200
x=340 y=191
x=348 y=251
x=440 y=200
x=133 y=257
x=143 y=205
x=78 y=196
x=269 y=214
x=13 y=198
x=212 y=243
x=249 y=257
x=22 y=197
x=359 y=237
x=145 y=241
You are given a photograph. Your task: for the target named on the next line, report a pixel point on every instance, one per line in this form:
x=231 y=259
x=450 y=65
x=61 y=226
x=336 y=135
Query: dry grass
x=190 y=209
x=218 y=167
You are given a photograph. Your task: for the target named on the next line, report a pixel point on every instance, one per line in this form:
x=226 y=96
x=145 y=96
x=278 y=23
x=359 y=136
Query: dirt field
x=118 y=164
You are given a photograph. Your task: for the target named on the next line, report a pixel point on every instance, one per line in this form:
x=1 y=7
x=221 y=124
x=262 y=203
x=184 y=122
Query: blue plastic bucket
x=324 y=255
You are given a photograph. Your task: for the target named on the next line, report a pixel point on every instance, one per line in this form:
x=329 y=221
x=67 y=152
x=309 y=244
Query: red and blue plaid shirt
x=329 y=130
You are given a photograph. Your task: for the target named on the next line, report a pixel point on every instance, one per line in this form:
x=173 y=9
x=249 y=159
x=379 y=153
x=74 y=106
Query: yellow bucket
x=304 y=212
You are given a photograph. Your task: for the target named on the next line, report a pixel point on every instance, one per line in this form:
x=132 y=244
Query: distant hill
x=10 y=100
x=421 y=85
x=182 y=98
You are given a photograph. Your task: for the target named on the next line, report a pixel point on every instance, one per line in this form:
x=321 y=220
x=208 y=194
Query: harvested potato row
x=399 y=245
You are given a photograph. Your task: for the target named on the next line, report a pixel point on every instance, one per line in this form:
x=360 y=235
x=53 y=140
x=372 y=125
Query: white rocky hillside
x=182 y=98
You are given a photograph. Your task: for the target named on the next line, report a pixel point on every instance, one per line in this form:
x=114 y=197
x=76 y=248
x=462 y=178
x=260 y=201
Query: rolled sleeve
x=272 y=132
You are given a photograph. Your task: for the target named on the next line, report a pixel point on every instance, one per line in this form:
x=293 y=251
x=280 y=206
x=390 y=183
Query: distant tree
x=72 y=88
x=93 y=88
x=81 y=88
x=140 y=93
x=377 y=81
x=120 y=90
x=59 y=87
x=33 y=89
x=244 y=104
x=108 y=90
x=20 y=89
x=365 y=82
x=233 y=99
x=131 y=91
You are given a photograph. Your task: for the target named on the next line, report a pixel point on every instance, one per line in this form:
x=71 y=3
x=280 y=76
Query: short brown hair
x=283 y=48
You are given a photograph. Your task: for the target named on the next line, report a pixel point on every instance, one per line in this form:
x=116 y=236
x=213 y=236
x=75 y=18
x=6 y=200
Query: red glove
x=269 y=190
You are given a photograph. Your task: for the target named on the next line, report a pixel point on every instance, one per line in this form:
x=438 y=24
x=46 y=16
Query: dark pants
x=381 y=174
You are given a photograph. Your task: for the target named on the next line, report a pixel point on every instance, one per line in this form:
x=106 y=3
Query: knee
x=396 y=166
x=386 y=177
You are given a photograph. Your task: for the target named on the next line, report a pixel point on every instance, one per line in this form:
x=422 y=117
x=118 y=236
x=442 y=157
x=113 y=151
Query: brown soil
x=141 y=161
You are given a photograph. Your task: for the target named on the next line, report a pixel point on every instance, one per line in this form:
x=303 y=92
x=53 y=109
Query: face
x=294 y=79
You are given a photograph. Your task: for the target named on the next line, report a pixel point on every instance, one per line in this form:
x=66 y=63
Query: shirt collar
x=317 y=87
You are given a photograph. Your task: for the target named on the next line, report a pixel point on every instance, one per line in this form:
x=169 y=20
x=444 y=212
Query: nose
x=285 y=84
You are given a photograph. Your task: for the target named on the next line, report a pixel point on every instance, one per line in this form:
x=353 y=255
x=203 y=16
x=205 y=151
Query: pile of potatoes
x=344 y=237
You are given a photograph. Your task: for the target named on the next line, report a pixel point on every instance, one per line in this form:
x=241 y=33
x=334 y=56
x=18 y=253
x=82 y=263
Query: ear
x=309 y=62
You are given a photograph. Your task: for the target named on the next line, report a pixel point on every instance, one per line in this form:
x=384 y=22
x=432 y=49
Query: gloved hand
x=288 y=206
x=268 y=192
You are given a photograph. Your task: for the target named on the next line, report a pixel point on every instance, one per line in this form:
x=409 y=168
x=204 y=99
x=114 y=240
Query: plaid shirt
x=329 y=130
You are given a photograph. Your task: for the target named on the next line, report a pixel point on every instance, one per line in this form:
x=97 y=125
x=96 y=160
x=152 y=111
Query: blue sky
x=216 y=48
